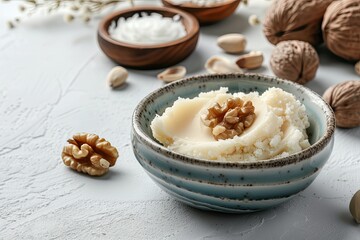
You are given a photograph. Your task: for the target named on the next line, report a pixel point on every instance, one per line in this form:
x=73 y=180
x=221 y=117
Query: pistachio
x=357 y=67
x=117 y=77
x=354 y=206
x=232 y=43
x=218 y=64
x=172 y=74
x=251 y=60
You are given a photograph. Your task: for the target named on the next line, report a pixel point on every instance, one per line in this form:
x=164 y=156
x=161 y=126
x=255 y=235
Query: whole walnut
x=344 y=98
x=295 y=20
x=341 y=29
x=294 y=60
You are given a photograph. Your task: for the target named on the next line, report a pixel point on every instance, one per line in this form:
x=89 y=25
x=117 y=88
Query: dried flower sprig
x=84 y=9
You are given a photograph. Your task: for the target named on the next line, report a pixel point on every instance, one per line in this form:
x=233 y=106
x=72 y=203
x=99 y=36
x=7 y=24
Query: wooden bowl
x=208 y=14
x=149 y=56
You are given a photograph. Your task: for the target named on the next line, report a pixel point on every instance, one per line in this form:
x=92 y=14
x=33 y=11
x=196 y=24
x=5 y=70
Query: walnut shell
x=294 y=60
x=354 y=206
x=341 y=29
x=295 y=20
x=344 y=98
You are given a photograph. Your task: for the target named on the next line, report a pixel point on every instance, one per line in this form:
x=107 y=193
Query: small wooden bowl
x=149 y=56
x=207 y=14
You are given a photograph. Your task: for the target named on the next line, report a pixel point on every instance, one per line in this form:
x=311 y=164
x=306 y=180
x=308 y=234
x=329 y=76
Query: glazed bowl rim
x=192 y=32
x=315 y=148
x=194 y=7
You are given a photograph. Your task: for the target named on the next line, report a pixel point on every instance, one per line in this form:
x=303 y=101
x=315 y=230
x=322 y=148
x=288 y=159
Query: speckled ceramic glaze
x=231 y=186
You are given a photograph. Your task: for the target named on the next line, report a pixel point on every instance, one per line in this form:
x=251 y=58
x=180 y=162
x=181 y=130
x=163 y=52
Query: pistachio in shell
x=232 y=43
x=117 y=77
x=217 y=64
x=295 y=20
x=344 y=98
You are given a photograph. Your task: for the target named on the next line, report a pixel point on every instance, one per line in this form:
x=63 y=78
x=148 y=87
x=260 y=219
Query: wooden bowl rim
x=191 y=32
x=194 y=7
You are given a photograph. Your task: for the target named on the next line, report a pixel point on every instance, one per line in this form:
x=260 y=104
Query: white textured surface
x=52 y=84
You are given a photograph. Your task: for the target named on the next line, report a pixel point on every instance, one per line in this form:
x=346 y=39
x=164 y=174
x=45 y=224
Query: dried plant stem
x=92 y=6
x=85 y=9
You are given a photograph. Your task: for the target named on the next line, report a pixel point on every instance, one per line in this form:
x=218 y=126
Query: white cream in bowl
x=278 y=130
x=147 y=29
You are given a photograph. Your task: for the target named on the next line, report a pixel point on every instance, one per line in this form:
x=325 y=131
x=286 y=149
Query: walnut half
x=230 y=119
x=90 y=154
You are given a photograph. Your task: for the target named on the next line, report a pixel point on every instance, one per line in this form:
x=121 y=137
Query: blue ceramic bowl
x=232 y=186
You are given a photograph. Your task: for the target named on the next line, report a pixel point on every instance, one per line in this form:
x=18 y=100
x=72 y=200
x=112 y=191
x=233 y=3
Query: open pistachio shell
x=172 y=74
x=218 y=64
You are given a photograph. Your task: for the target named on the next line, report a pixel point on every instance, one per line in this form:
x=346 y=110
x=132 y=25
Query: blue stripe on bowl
x=219 y=204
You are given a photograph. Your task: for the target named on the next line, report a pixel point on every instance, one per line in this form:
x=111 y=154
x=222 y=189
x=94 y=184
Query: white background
x=52 y=84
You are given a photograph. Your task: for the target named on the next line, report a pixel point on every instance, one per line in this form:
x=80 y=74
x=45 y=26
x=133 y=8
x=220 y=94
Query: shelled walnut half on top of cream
x=218 y=125
x=230 y=119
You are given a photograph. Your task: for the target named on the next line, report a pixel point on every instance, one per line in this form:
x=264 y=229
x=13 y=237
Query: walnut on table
x=88 y=153
x=295 y=60
x=230 y=119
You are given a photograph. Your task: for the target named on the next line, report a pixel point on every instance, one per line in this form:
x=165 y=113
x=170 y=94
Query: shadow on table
x=318 y=85
x=350 y=133
x=123 y=87
x=236 y=23
x=112 y=175
x=261 y=70
x=303 y=217
x=329 y=59
x=193 y=64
